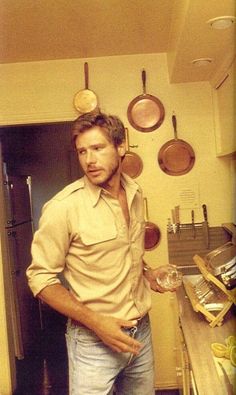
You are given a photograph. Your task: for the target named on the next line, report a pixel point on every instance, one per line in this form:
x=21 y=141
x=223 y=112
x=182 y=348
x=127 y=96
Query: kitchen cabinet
x=224 y=103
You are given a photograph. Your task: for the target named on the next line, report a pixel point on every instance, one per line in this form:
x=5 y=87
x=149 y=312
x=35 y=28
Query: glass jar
x=168 y=277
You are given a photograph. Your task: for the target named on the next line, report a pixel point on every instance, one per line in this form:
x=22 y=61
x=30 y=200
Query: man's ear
x=121 y=149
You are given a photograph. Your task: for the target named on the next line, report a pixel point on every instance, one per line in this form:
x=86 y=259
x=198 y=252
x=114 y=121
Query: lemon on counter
x=219 y=349
x=233 y=355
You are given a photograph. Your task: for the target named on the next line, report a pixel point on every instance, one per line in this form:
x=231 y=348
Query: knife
x=193 y=225
x=205 y=226
x=177 y=220
x=229 y=386
x=173 y=220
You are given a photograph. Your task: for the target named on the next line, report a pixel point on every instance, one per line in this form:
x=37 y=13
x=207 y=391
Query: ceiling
x=38 y=30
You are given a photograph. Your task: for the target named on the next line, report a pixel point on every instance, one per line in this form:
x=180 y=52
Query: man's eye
x=81 y=152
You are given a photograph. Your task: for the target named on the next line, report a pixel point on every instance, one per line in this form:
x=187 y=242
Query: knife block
x=229 y=300
x=182 y=246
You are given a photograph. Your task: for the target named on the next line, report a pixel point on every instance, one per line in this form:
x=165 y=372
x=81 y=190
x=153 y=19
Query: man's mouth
x=94 y=171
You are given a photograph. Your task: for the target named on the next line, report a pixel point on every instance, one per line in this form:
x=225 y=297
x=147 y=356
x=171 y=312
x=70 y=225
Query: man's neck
x=113 y=187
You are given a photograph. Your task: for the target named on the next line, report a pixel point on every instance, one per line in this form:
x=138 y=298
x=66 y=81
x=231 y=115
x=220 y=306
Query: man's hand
x=151 y=275
x=109 y=330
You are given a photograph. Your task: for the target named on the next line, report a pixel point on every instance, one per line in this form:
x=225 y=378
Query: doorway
x=45 y=153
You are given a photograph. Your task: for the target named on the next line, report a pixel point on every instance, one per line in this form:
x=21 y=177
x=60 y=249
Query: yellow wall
x=43 y=92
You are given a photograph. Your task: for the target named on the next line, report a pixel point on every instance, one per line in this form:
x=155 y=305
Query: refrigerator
x=25 y=309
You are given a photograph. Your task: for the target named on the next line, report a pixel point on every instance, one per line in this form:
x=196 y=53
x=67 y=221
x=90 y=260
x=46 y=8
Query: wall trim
x=38 y=117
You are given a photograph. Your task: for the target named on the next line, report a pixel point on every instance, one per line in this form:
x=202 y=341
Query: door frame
x=7 y=354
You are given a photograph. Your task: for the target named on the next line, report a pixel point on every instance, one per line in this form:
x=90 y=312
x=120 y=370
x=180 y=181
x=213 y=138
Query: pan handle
x=144 y=81
x=174 y=123
x=86 y=75
x=127 y=144
x=204 y=208
x=145 y=209
x=126 y=140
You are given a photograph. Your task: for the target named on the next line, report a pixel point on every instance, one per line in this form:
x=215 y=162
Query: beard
x=102 y=177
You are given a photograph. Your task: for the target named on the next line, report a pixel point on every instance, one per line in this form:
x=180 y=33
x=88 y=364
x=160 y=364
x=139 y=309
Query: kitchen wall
x=43 y=92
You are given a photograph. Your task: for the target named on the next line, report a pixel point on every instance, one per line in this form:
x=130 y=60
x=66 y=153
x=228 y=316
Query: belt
x=140 y=319
x=78 y=323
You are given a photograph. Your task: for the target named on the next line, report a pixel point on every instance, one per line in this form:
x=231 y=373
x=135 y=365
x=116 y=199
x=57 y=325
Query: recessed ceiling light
x=201 y=62
x=222 y=22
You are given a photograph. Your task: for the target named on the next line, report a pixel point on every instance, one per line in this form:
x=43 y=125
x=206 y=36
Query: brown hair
x=111 y=124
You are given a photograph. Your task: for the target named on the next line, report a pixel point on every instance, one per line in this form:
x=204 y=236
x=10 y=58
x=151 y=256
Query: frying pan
x=85 y=100
x=152 y=232
x=176 y=157
x=145 y=112
x=131 y=163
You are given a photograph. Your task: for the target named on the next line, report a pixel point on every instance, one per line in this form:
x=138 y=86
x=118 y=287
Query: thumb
x=128 y=324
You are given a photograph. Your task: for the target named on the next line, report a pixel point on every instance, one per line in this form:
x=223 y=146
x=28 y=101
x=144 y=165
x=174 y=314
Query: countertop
x=198 y=337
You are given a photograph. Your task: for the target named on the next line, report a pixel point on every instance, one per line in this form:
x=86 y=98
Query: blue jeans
x=94 y=369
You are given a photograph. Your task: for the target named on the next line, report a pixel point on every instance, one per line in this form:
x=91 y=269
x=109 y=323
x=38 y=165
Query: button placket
x=118 y=215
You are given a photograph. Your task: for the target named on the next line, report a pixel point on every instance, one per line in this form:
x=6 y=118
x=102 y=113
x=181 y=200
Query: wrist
x=148 y=273
x=146 y=268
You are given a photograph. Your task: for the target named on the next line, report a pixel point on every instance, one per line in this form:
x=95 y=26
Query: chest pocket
x=98 y=229
x=90 y=236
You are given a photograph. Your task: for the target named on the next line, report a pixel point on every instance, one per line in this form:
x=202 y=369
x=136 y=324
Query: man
x=93 y=232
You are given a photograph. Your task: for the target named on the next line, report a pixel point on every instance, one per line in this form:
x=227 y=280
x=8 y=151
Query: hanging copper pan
x=131 y=163
x=176 y=157
x=85 y=100
x=152 y=232
x=145 y=112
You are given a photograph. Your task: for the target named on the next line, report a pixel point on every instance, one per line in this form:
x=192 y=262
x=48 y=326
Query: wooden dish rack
x=229 y=299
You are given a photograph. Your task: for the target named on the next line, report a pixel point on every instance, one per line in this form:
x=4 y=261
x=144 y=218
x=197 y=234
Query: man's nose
x=91 y=157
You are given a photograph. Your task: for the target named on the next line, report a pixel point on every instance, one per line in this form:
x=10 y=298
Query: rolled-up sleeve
x=49 y=247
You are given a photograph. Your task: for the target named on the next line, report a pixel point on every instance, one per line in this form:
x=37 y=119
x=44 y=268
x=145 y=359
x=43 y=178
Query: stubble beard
x=107 y=178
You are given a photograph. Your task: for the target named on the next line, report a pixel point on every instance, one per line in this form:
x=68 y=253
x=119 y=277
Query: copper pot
x=145 y=112
x=85 y=100
x=131 y=163
x=152 y=231
x=176 y=157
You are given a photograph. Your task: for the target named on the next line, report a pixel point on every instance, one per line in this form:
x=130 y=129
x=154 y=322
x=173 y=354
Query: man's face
x=98 y=157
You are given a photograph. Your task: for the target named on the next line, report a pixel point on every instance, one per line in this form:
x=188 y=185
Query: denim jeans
x=94 y=369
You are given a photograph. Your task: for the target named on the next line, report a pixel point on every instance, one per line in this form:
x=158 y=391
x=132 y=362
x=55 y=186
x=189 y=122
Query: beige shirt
x=83 y=234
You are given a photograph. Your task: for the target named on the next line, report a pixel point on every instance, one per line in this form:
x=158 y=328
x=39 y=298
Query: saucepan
x=176 y=157
x=152 y=231
x=131 y=163
x=85 y=100
x=145 y=112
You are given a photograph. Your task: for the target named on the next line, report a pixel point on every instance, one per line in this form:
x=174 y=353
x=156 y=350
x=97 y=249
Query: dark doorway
x=45 y=153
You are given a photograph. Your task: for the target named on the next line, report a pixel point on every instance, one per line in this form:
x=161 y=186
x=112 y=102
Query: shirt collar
x=94 y=191
x=130 y=186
